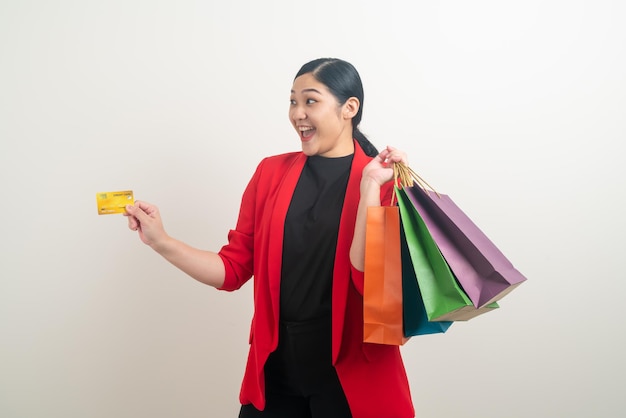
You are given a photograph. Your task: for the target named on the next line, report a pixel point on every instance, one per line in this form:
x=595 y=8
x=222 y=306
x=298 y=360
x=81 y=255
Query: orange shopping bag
x=382 y=292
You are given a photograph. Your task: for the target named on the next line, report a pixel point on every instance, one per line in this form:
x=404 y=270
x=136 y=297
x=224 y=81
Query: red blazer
x=372 y=375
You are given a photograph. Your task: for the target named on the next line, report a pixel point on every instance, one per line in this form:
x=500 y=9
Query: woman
x=301 y=234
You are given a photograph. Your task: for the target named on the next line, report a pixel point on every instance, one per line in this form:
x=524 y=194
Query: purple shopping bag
x=483 y=272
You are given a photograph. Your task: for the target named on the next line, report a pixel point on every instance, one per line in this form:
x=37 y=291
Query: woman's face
x=324 y=126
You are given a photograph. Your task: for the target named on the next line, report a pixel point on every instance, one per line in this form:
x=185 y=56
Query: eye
x=311 y=101
x=292 y=102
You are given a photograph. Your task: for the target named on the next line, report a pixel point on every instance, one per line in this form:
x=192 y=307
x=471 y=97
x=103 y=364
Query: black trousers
x=300 y=380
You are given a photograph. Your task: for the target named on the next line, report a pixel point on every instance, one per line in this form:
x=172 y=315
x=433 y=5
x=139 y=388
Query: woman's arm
x=378 y=172
x=205 y=266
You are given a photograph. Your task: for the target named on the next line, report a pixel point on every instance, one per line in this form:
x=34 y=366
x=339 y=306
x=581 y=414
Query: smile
x=306 y=132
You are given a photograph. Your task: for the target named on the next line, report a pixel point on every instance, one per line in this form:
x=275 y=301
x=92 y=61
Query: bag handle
x=405 y=176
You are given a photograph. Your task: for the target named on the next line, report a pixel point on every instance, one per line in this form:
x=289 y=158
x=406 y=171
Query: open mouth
x=306 y=132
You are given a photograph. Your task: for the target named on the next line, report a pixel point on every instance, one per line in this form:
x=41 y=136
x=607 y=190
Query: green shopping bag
x=443 y=297
x=414 y=319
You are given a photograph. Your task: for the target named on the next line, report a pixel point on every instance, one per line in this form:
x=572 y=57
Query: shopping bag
x=415 y=319
x=483 y=271
x=382 y=291
x=443 y=297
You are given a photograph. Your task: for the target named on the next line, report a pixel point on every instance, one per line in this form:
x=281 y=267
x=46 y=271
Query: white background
x=514 y=109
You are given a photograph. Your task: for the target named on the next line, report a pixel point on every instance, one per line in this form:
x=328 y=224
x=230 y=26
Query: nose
x=297 y=112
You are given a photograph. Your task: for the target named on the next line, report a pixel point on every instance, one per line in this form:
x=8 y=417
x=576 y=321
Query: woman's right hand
x=146 y=219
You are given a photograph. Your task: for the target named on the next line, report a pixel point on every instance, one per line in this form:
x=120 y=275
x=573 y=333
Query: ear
x=351 y=108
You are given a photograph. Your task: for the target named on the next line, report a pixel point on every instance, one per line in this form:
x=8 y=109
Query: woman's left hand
x=380 y=169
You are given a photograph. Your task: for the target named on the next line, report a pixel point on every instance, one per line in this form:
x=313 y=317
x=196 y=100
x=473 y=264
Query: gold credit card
x=114 y=202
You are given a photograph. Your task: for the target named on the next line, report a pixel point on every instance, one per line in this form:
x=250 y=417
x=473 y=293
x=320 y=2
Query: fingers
x=138 y=213
x=145 y=207
x=133 y=223
x=394 y=155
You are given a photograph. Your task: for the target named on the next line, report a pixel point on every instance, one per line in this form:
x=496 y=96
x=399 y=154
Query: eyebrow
x=308 y=91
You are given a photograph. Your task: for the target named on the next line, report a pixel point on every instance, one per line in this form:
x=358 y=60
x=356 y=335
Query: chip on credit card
x=114 y=202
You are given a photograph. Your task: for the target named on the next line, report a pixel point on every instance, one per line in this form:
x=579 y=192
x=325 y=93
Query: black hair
x=343 y=81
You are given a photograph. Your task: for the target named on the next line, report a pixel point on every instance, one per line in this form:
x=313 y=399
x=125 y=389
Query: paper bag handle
x=405 y=176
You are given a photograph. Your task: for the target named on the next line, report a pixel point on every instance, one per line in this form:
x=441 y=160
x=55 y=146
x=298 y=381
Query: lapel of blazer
x=342 y=270
x=284 y=193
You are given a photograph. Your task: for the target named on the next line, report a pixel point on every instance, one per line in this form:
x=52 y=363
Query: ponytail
x=365 y=143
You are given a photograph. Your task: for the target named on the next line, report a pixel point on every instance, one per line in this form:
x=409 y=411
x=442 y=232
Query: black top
x=311 y=229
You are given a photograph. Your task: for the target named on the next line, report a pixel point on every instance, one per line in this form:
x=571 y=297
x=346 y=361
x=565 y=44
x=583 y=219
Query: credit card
x=114 y=202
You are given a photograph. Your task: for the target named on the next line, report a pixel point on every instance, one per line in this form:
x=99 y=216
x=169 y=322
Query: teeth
x=305 y=128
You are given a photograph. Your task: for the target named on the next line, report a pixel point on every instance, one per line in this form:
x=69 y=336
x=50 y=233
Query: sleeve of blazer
x=238 y=254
